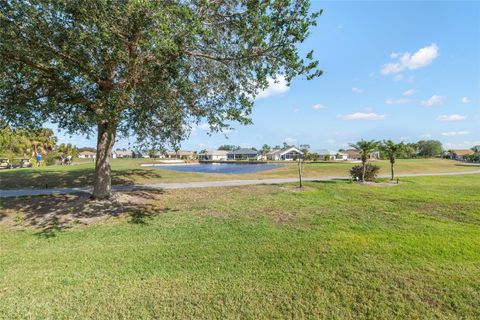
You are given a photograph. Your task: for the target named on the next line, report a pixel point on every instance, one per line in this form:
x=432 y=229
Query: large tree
x=151 y=68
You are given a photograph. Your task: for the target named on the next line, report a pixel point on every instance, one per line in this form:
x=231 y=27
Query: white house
x=213 y=155
x=331 y=155
x=122 y=154
x=87 y=154
x=243 y=154
x=290 y=153
x=178 y=155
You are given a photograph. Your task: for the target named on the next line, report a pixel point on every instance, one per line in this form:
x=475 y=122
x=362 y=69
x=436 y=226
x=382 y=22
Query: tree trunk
x=391 y=168
x=103 y=182
x=300 y=172
x=364 y=169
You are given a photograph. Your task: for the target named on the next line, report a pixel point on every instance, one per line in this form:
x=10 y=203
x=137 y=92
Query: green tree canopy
x=429 y=148
x=151 y=68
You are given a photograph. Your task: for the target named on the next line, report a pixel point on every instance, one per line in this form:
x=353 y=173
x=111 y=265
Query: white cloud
x=455 y=133
x=204 y=126
x=275 y=87
x=362 y=116
x=451 y=117
x=425 y=135
x=318 y=106
x=462 y=145
x=398 y=101
x=296 y=110
x=398 y=77
x=465 y=100
x=409 y=93
x=406 y=60
x=290 y=140
x=432 y=101
x=357 y=90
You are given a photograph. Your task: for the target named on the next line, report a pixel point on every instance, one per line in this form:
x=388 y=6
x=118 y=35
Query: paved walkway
x=201 y=184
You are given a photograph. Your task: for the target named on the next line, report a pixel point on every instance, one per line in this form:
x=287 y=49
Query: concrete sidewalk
x=201 y=184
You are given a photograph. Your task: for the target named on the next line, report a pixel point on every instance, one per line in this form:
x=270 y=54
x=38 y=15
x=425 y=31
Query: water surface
x=229 y=168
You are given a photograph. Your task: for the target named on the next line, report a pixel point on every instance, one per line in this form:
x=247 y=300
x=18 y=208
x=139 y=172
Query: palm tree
x=365 y=148
x=391 y=150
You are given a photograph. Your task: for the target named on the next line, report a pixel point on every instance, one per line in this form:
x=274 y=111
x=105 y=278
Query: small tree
x=365 y=148
x=301 y=168
x=265 y=149
x=391 y=151
x=371 y=172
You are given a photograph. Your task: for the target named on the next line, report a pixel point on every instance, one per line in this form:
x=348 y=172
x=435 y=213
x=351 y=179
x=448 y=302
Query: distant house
x=178 y=155
x=290 y=153
x=353 y=154
x=461 y=153
x=87 y=154
x=122 y=154
x=213 y=155
x=331 y=155
x=243 y=154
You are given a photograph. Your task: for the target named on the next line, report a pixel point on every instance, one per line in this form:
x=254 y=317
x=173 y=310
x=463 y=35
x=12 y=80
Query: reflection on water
x=231 y=168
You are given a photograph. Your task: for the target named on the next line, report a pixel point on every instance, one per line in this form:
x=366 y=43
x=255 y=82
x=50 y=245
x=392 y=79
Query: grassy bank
x=335 y=250
x=129 y=171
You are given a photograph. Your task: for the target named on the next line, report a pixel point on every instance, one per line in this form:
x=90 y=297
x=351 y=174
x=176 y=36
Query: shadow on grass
x=52 y=214
x=70 y=177
x=473 y=165
x=332 y=181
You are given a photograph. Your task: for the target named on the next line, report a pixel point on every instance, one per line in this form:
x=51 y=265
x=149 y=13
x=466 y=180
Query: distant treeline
x=420 y=149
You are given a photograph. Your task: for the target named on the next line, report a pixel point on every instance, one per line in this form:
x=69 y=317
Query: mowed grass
x=129 y=171
x=336 y=250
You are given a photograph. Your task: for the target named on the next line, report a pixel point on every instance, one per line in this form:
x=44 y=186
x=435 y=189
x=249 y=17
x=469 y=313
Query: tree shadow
x=471 y=164
x=55 y=213
x=71 y=177
x=331 y=181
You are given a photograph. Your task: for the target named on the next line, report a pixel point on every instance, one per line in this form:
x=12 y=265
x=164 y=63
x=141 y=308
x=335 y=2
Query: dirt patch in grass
x=458 y=212
x=379 y=184
x=296 y=189
x=50 y=213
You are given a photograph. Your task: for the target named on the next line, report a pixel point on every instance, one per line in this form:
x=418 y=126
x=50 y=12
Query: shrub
x=371 y=172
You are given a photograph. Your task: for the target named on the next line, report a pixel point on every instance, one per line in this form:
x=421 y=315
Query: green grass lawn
x=129 y=171
x=336 y=250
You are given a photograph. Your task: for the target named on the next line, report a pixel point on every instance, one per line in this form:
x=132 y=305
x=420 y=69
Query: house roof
x=243 y=151
x=287 y=150
x=123 y=152
x=215 y=153
x=283 y=151
x=273 y=151
x=87 y=153
x=325 y=152
x=462 y=152
x=351 y=152
x=179 y=153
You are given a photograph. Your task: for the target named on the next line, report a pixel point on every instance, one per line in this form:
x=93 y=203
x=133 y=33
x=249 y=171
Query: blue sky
x=392 y=70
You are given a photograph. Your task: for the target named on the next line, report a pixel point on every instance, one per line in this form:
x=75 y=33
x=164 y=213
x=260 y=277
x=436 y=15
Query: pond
x=229 y=168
